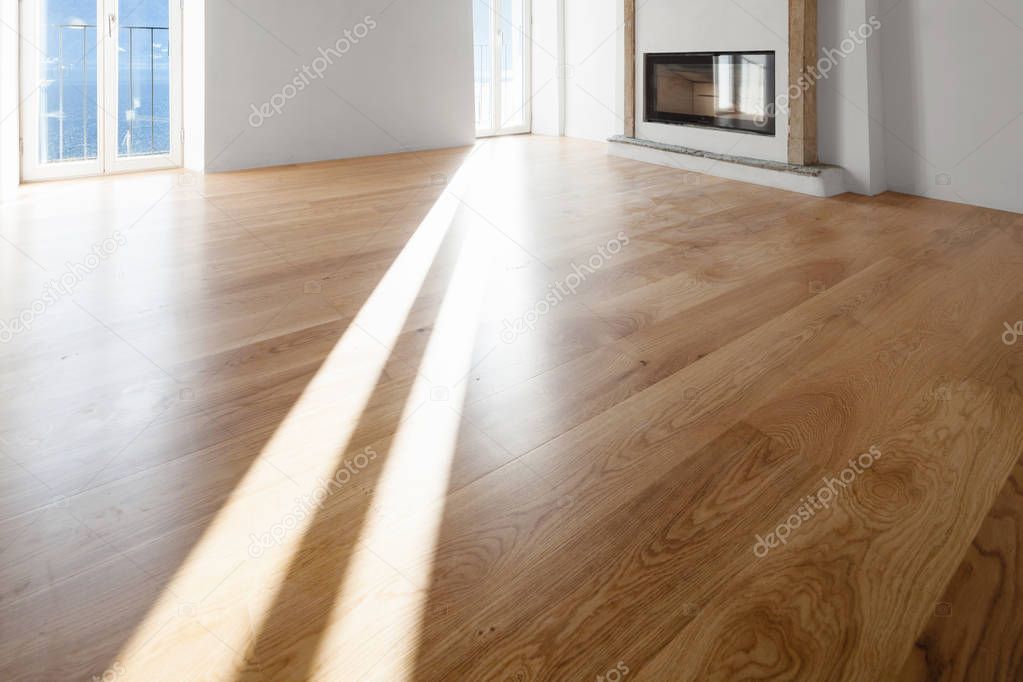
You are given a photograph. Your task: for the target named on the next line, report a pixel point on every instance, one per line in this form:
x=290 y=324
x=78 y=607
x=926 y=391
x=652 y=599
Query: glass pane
x=732 y=91
x=483 y=51
x=143 y=78
x=68 y=110
x=513 y=63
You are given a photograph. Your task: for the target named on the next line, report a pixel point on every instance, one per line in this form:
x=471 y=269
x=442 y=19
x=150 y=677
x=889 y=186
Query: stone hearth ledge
x=817 y=180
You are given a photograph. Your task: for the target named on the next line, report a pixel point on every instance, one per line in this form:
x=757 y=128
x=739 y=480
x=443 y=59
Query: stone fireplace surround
x=788 y=160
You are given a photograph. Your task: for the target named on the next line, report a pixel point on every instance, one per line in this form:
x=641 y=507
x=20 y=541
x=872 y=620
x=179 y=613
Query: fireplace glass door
x=729 y=90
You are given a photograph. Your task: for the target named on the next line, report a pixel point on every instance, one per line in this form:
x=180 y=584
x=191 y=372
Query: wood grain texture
x=629 y=91
x=281 y=431
x=803 y=106
x=976 y=630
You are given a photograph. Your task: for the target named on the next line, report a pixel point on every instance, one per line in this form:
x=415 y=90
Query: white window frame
x=107 y=160
x=496 y=62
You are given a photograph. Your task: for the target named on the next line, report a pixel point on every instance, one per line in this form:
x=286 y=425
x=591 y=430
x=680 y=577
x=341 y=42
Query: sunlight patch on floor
x=308 y=446
x=416 y=472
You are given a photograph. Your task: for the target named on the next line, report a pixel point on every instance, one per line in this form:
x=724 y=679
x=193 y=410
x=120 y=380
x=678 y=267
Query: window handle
x=111 y=22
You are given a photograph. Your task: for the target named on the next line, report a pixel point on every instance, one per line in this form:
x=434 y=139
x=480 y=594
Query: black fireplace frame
x=650 y=115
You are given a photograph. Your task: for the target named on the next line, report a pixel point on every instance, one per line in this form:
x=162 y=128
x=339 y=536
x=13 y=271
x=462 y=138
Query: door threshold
x=503 y=133
x=93 y=176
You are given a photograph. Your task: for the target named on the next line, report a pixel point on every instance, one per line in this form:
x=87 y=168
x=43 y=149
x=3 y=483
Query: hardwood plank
x=976 y=630
x=585 y=495
x=867 y=571
x=560 y=629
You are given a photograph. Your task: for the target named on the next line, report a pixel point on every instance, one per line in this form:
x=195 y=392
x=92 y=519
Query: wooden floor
x=522 y=411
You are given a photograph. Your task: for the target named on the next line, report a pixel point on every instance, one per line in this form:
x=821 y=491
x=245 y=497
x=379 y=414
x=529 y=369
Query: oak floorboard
x=581 y=497
x=976 y=630
x=867 y=571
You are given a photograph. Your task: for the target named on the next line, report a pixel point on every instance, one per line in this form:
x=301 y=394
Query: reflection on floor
x=519 y=411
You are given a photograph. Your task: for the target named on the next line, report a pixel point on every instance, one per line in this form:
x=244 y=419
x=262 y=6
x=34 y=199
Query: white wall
x=715 y=25
x=850 y=133
x=406 y=84
x=953 y=99
x=546 y=59
x=593 y=85
x=10 y=157
x=193 y=30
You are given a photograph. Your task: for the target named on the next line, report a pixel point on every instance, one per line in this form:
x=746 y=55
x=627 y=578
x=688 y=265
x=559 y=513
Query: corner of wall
x=849 y=96
x=878 y=182
x=10 y=133
x=194 y=69
x=547 y=58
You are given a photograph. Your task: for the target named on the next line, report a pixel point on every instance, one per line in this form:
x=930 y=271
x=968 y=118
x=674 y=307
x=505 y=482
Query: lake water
x=69 y=111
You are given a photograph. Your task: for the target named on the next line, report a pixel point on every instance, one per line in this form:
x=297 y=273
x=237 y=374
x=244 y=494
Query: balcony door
x=502 y=51
x=101 y=86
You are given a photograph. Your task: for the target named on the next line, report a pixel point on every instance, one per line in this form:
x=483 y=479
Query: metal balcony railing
x=136 y=70
x=63 y=67
x=128 y=137
x=483 y=75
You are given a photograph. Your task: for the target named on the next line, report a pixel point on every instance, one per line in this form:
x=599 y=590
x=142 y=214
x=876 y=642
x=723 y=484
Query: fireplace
x=728 y=90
